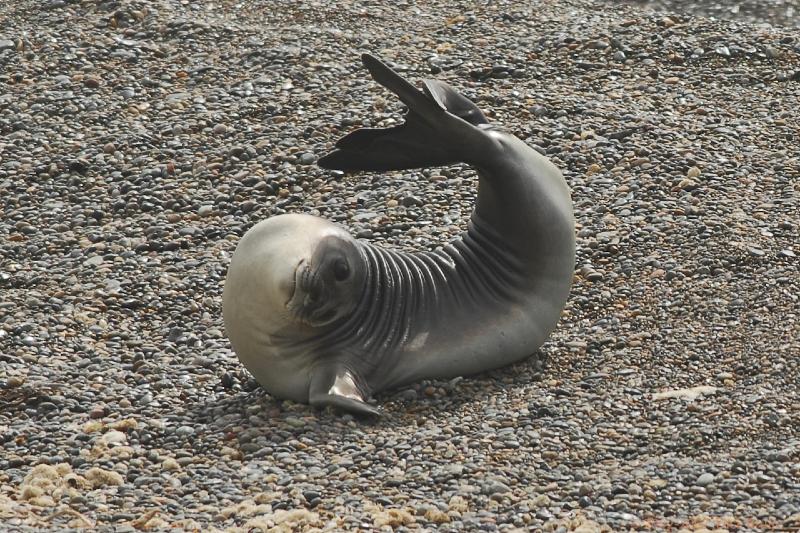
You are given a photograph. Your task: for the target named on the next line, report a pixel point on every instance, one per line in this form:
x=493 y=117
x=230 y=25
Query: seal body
x=320 y=317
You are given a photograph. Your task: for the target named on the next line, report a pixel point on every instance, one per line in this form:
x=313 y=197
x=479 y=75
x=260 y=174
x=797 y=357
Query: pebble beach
x=139 y=140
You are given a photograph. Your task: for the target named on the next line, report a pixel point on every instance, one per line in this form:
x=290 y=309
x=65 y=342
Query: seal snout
x=307 y=300
x=299 y=294
x=313 y=289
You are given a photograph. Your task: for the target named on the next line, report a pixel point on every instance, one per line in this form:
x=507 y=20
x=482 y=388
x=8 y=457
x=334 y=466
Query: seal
x=322 y=318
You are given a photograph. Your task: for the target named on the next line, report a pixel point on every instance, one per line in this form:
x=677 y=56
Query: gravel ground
x=139 y=140
x=775 y=12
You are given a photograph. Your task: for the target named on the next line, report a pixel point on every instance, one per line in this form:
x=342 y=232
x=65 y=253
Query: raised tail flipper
x=442 y=127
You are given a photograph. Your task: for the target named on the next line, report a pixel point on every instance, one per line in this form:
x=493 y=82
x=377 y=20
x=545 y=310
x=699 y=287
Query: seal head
x=292 y=278
x=327 y=285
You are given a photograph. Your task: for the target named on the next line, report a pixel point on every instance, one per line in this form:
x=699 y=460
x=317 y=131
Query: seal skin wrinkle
x=320 y=317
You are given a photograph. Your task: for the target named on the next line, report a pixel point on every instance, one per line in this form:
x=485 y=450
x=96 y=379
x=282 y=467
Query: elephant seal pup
x=319 y=317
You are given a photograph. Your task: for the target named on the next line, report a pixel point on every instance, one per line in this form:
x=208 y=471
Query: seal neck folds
x=405 y=294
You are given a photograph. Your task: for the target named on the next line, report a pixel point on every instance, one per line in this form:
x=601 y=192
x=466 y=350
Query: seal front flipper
x=441 y=127
x=334 y=385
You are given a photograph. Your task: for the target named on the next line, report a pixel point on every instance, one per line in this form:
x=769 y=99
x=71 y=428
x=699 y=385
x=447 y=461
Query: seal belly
x=464 y=341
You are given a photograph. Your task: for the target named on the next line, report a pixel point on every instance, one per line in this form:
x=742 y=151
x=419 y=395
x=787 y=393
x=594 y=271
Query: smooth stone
x=705 y=479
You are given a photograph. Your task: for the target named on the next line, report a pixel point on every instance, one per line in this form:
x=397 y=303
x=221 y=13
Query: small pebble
x=705 y=479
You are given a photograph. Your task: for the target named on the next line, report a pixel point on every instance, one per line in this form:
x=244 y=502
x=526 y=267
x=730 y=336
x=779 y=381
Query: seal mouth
x=298 y=301
x=301 y=305
x=323 y=318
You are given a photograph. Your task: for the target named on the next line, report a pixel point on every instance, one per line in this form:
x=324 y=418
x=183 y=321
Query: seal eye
x=341 y=270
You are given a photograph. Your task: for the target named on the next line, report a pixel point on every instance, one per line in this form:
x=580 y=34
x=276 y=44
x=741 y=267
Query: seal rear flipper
x=441 y=128
x=401 y=147
x=454 y=102
x=435 y=100
x=334 y=385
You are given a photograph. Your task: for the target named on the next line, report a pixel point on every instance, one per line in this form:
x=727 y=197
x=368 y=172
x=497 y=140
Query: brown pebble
x=594 y=167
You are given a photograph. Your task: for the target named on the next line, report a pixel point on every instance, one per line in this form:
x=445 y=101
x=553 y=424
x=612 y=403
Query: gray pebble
x=185 y=431
x=705 y=479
